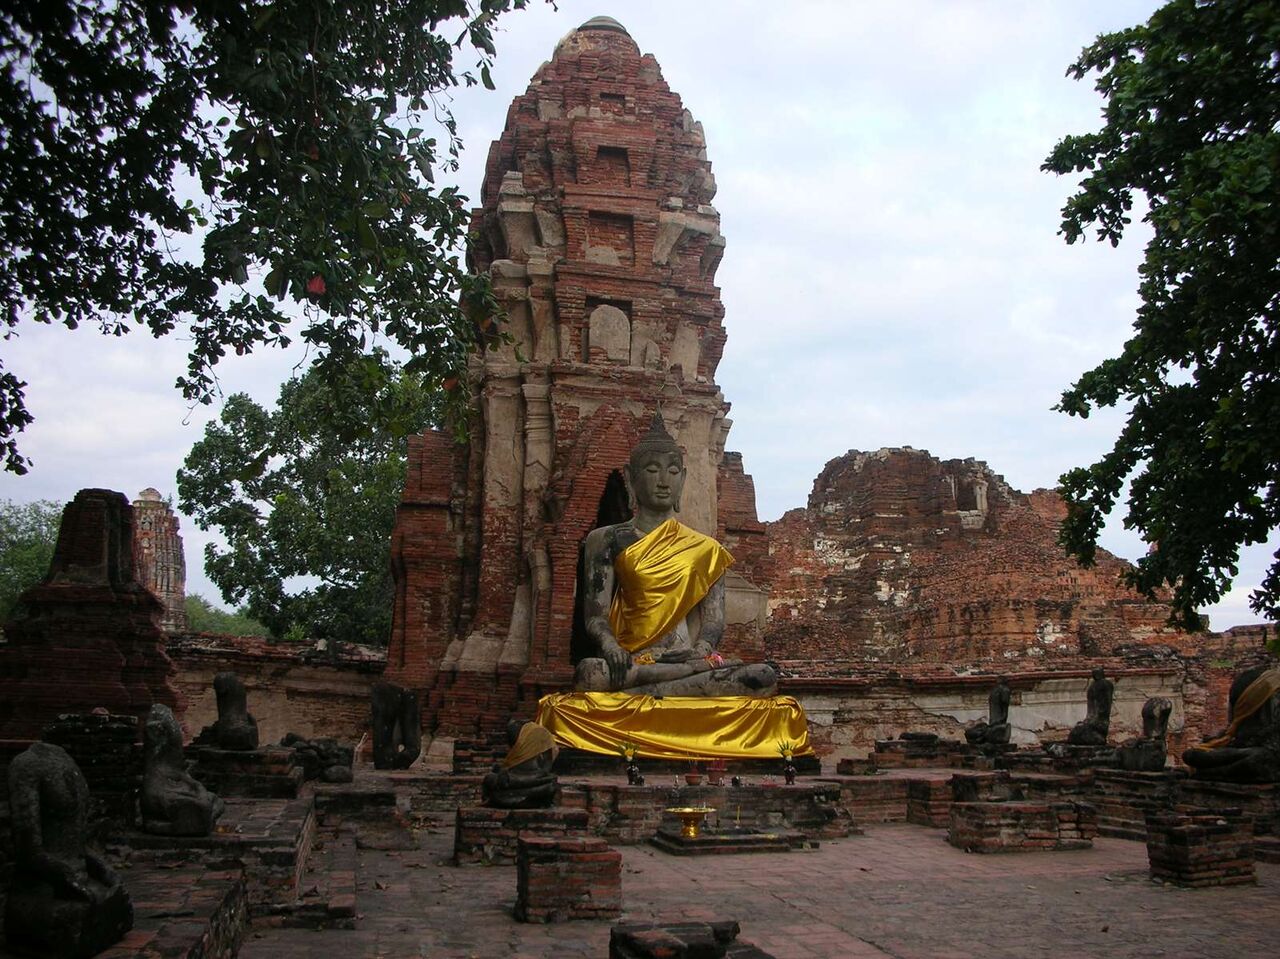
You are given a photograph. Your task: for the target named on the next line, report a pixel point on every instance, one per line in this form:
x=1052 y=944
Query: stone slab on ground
x=687 y=940
x=897 y=891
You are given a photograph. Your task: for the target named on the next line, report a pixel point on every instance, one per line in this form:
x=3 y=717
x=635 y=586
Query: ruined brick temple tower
x=598 y=232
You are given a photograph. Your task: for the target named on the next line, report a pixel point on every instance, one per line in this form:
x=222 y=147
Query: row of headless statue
x=1247 y=751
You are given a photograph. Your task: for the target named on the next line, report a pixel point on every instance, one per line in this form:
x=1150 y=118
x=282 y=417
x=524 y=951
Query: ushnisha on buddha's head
x=655 y=473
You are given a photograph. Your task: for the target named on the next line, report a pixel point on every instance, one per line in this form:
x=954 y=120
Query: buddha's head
x=655 y=473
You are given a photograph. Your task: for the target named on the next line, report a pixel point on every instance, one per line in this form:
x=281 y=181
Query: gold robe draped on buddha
x=661 y=577
x=1253 y=698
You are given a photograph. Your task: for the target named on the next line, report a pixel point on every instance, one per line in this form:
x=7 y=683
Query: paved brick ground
x=898 y=891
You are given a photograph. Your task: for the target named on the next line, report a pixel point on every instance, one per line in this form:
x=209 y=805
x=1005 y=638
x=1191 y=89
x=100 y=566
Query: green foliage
x=309 y=490
x=28 y=534
x=204 y=617
x=297 y=125
x=1191 y=120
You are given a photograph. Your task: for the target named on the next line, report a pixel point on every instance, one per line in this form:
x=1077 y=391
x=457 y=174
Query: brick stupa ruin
x=89 y=634
x=598 y=231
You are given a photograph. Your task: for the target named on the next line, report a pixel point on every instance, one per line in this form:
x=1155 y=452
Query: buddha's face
x=657 y=481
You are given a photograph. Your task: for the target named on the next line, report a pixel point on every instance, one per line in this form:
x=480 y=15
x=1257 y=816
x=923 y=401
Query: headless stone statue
x=1248 y=751
x=234 y=729
x=653 y=596
x=523 y=780
x=995 y=731
x=397 y=728
x=64 y=902
x=1093 y=729
x=1147 y=753
x=173 y=803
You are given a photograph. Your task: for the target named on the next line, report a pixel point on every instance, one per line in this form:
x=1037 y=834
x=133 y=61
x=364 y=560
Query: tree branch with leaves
x=292 y=136
x=1192 y=117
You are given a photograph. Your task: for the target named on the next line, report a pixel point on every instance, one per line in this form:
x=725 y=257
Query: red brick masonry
x=567 y=878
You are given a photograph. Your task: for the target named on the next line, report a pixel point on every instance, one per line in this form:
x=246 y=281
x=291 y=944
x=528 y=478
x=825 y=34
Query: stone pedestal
x=485 y=837
x=558 y=879
x=1022 y=826
x=272 y=772
x=1201 y=848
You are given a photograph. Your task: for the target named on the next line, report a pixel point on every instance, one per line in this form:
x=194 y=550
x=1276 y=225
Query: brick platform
x=488 y=837
x=1022 y=826
x=269 y=839
x=271 y=772
x=558 y=879
x=1199 y=848
x=183 y=913
x=1124 y=799
x=917 y=753
x=872 y=799
x=626 y=814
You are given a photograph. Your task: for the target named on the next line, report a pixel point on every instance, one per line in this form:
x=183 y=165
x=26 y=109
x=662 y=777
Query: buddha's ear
x=631 y=492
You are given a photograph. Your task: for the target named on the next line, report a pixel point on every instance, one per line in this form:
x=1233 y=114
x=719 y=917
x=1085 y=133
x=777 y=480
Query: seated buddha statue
x=524 y=778
x=653 y=593
x=1248 y=750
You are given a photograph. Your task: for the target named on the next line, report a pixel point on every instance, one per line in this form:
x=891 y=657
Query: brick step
x=327 y=892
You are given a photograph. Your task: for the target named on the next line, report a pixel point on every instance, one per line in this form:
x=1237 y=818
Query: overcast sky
x=893 y=273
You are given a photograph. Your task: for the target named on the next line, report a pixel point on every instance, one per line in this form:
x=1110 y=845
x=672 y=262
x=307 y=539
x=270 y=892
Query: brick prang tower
x=599 y=235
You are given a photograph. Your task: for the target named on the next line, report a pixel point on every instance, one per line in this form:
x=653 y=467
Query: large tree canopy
x=305 y=496
x=289 y=131
x=1191 y=120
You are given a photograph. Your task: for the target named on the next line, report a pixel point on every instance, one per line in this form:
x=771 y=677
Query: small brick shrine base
x=488 y=837
x=565 y=878
x=1198 y=848
x=1022 y=826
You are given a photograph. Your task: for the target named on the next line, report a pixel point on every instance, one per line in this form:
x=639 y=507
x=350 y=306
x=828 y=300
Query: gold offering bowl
x=690 y=818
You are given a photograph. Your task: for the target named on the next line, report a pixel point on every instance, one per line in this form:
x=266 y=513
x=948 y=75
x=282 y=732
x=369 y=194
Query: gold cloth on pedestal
x=661 y=577
x=676 y=727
